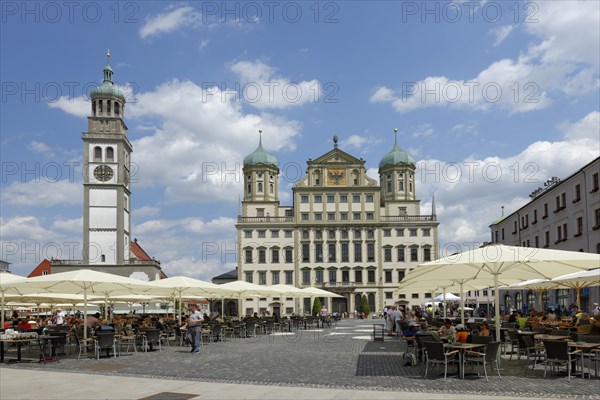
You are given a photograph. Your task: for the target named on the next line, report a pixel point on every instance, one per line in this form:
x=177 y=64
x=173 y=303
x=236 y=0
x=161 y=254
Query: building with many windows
x=344 y=232
x=564 y=215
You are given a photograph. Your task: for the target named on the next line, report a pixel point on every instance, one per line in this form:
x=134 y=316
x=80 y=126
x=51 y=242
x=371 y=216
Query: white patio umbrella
x=313 y=292
x=447 y=297
x=512 y=264
x=6 y=282
x=241 y=289
x=184 y=287
x=86 y=282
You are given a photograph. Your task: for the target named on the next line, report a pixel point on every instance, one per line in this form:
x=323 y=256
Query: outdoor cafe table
x=541 y=336
x=462 y=347
x=18 y=341
x=585 y=348
x=43 y=341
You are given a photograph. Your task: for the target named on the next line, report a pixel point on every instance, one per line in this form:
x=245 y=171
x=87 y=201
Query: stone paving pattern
x=316 y=358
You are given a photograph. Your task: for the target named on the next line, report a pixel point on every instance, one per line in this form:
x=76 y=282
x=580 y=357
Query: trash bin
x=378 y=332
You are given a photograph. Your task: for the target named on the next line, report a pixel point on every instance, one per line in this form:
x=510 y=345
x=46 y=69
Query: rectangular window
x=319 y=276
x=370 y=216
x=330 y=216
x=274 y=234
x=388 y=276
x=332 y=276
x=249 y=277
x=344 y=216
x=262 y=256
x=400 y=232
x=288 y=256
x=306 y=277
x=536 y=241
x=248 y=234
x=304 y=198
x=346 y=276
x=356 y=198
x=596 y=218
x=401 y=275
x=370 y=234
x=369 y=198
x=415 y=295
x=370 y=251
x=371 y=276
x=331 y=234
x=534 y=217
x=358 y=252
x=305 y=252
x=563 y=198
x=412 y=232
x=330 y=198
x=426 y=232
x=262 y=234
x=318 y=235
x=344 y=234
x=318 y=252
x=345 y=256
x=356 y=216
x=305 y=234
x=304 y=216
x=426 y=254
x=545 y=211
x=558 y=234
x=287 y=233
x=401 y=254
x=388 y=295
x=565 y=234
x=331 y=252
x=547 y=238
x=357 y=234
x=262 y=278
x=318 y=198
x=595 y=182
x=414 y=254
x=577 y=193
x=358 y=276
x=579 y=226
x=387 y=233
x=318 y=217
x=387 y=254
x=248 y=257
x=289 y=278
x=275 y=256
x=343 y=198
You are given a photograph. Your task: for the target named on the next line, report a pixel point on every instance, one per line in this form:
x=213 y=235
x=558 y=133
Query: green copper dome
x=108 y=88
x=260 y=156
x=396 y=156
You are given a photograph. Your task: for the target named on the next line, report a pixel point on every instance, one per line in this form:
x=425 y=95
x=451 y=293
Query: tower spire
x=108 y=57
x=395 y=136
x=260 y=138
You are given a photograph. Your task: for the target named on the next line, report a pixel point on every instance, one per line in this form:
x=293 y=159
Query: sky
x=491 y=98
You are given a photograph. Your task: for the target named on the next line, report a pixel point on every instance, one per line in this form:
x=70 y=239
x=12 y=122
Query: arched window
x=518 y=301
x=271 y=188
x=94 y=108
x=249 y=188
x=357 y=298
x=531 y=301
x=108 y=107
x=110 y=154
x=97 y=153
x=260 y=187
x=117 y=108
x=507 y=302
x=99 y=107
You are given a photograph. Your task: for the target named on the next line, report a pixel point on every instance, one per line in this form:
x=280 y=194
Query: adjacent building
x=564 y=215
x=344 y=232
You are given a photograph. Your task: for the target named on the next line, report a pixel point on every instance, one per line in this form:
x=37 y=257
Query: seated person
x=446 y=329
x=411 y=331
x=219 y=319
x=484 y=329
x=595 y=327
x=461 y=333
x=513 y=317
x=584 y=319
x=158 y=324
x=104 y=326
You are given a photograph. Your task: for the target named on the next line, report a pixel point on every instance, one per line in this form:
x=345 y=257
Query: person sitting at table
x=584 y=319
x=275 y=317
x=93 y=321
x=22 y=325
x=205 y=317
x=413 y=317
x=411 y=331
x=484 y=329
x=595 y=327
x=158 y=324
x=104 y=326
x=446 y=329
x=219 y=319
x=513 y=317
x=461 y=333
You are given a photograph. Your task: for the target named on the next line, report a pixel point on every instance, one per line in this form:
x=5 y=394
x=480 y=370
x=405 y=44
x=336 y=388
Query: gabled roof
x=138 y=252
x=228 y=275
x=336 y=156
x=39 y=270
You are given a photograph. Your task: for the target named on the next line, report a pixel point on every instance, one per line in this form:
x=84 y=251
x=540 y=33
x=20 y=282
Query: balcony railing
x=339 y=285
x=265 y=219
x=403 y=218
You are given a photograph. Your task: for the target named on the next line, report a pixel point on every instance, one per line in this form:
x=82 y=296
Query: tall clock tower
x=106 y=190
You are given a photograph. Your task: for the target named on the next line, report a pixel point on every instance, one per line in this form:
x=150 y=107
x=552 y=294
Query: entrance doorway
x=339 y=305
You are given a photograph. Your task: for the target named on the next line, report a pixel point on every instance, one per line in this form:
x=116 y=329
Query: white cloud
x=74 y=226
x=264 y=89
x=563 y=58
x=24 y=228
x=170 y=21
x=146 y=211
x=41 y=148
x=501 y=33
x=43 y=192
x=469 y=194
x=423 y=130
x=78 y=106
x=204 y=43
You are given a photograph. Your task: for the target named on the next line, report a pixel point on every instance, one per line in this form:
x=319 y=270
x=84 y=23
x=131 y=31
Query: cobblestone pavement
x=343 y=357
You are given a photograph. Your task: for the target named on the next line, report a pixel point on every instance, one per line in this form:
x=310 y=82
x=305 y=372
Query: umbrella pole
x=444 y=303
x=497 y=307
x=578 y=291
x=179 y=308
x=2 y=326
x=462 y=305
x=223 y=307
x=85 y=312
x=540 y=291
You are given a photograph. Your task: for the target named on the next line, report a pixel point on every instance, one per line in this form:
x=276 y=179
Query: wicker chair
x=557 y=352
x=435 y=355
x=488 y=356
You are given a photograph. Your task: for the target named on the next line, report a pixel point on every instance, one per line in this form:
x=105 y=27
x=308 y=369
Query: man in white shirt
x=60 y=317
x=194 y=329
x=397 y=319
x=391 y=321
x=596 y=311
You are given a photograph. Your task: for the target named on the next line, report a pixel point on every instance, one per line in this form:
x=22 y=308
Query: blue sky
x=490 y=98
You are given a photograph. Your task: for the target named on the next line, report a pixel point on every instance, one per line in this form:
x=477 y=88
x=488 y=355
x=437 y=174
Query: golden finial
x=108 y=56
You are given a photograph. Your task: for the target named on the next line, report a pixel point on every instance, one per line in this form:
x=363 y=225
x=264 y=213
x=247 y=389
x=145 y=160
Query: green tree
x=364 y=305
x=316 y=306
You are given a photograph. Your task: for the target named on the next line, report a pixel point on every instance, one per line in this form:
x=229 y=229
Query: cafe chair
x=488 y=356
x=557 y=352
x=436 y=355
x=105 y=341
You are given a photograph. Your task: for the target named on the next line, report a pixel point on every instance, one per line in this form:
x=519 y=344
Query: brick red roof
x=39 y=270
x=138 y=252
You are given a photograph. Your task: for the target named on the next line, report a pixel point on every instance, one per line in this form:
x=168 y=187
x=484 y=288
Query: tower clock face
x=336 y=177
x=103 y=173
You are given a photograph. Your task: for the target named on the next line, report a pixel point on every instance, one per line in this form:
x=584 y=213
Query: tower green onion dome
x=396 y=155
x=260 y=156
x=107 y=88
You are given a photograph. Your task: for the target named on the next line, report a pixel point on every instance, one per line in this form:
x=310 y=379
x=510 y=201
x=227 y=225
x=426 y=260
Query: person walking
x=194 y=329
